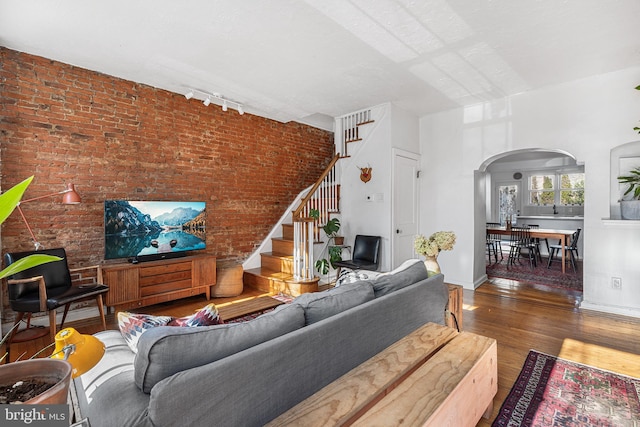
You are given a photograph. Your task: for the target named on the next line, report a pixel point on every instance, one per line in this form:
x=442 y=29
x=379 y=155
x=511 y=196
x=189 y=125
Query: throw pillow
x=133 y=325
x=350 y=276
x=206 y=316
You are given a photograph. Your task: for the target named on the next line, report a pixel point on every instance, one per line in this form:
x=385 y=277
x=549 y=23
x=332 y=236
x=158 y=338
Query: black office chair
x=366 y=255
x=47 y=287
x=572 y=249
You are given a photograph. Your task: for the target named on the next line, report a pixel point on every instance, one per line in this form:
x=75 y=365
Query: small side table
x=454 y=312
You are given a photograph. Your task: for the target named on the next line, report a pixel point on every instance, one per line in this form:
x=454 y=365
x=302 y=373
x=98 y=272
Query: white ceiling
x=313 y=60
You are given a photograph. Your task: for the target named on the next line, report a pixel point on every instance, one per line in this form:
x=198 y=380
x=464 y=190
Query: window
x=572 y=189
x=564 y=189
x=541 y=190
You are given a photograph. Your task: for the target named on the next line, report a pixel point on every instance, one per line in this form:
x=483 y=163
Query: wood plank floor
x=519 y=316
x=522 y=317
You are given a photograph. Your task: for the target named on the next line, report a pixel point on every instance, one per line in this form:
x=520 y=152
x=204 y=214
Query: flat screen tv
x=148 y=230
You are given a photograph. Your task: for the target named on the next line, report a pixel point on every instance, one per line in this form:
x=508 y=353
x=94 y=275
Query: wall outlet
x=616 y=283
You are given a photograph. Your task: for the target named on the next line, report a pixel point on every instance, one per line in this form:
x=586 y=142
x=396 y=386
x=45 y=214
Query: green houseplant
x=331 y=229
x=40 y=380
x=630 y=206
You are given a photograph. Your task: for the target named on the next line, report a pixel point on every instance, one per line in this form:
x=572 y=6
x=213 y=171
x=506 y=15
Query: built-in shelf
x=622 y=223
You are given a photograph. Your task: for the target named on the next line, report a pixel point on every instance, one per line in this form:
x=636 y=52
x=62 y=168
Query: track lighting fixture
x=209 y=97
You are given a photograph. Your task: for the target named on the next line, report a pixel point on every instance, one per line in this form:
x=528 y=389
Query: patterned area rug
x=555 y=392
x=540 y=275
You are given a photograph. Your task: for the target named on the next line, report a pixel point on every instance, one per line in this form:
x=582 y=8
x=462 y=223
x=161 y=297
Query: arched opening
x=539 y=187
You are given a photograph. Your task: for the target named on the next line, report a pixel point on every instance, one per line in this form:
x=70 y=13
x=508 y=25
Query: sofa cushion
x=206 y=316
x=408 y=273
x=133 y=325
x=165 y=350
x=320 y=305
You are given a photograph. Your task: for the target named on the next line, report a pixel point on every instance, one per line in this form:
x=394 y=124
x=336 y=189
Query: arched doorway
x=538 y=188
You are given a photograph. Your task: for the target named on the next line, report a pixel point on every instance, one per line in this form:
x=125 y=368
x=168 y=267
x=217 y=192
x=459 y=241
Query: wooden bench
x=236 y=309
x=434 y=376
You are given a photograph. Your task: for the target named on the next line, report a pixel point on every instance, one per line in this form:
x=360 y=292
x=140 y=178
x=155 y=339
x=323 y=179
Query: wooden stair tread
x=278 y=275
x=277 y=255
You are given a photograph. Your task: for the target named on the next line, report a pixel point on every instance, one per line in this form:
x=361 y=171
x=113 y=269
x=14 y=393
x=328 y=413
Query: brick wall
x=117 y=139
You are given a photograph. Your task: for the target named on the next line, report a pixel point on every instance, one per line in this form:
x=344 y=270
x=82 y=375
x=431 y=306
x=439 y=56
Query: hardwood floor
x=519 y=316
x=522 y=317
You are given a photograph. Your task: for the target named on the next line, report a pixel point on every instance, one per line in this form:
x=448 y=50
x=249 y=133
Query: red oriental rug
x=555 y=392
x=540 y=275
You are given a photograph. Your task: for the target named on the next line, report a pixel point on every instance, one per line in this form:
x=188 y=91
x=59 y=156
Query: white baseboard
x=612 y=309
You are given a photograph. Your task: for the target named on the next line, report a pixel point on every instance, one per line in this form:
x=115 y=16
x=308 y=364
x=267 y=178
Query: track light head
x=189 y=94
x=224 y=106
x=240 y=110
x=207 y=102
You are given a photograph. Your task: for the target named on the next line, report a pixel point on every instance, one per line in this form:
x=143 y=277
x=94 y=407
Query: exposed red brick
x=117 y=139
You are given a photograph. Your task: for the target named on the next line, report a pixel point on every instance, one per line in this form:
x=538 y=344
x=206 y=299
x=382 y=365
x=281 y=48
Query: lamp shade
x=83 y=352
x=70 y=196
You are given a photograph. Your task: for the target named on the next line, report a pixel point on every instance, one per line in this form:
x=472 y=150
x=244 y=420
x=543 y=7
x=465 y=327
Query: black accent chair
x=366 y=255
x=47 y=287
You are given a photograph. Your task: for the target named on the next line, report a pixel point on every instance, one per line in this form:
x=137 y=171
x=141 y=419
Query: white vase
x=433 y=268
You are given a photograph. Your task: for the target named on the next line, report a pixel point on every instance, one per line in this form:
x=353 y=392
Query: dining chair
x=538 y=240
x=571 y=249
x=521 y=240
x=494 y=244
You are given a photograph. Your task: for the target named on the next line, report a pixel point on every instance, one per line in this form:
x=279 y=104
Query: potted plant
x=331 y=229
x=38 y=380
x=630 y=202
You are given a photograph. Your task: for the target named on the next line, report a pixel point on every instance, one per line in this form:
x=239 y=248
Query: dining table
x=563 y=237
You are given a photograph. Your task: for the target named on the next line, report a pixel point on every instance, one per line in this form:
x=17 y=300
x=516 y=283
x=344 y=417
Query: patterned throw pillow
x=133 y=325
x=350 y=276
x=206 y=316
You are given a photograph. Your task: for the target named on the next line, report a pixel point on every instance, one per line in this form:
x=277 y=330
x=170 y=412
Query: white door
x=405 y=206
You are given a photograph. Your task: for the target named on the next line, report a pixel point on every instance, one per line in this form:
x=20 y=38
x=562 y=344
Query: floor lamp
x=69 y=197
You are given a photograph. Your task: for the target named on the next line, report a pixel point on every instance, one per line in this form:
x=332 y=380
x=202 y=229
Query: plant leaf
x=10 y=199
x=27 y=263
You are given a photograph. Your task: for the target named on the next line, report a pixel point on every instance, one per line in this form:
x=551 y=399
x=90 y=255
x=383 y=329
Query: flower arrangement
x=438 y=241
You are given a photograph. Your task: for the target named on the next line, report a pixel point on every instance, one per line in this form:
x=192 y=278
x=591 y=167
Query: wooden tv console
x=153 y=282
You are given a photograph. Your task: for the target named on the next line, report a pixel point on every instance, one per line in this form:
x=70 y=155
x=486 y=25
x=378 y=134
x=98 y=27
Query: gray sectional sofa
x=248 y=373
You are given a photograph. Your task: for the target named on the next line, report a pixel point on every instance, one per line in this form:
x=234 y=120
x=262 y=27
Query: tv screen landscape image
x=153 y=229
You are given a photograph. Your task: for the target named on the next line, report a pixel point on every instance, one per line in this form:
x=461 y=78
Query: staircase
x=289 y=267
x=276 y=272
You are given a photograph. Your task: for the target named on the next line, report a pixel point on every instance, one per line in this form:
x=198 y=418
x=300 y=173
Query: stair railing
x=349 y=129
x=324 y=197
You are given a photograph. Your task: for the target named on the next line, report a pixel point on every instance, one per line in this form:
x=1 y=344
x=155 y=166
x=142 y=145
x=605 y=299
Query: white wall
x=586 y=118
x=393 y=128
